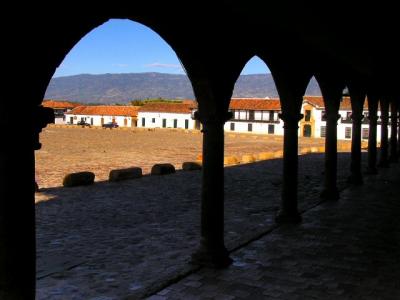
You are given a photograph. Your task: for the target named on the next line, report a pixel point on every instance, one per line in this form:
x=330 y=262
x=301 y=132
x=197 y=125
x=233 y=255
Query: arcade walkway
x=131 y=240
x=344 y=250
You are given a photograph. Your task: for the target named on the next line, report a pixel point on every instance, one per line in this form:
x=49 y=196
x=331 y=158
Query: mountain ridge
x=121 y=88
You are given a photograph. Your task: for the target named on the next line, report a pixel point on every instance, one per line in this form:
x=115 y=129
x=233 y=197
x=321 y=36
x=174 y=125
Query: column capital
x=212 y=118
x=290 y=118
x=357 y=117
x=373 y=118
x=41 y=117
x=332 y=117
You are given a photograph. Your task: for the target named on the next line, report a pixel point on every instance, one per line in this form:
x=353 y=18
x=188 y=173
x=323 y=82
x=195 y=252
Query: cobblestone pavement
x=113 y=240
x=348 y=249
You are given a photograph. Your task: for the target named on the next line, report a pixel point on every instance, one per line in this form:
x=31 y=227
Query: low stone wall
x=191 y=166
x=124 y=174
x=162 y=169
x=79 y=178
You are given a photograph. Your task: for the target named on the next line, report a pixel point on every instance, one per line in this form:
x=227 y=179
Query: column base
x=288 y=217
x=355 y=179
x=214 y=258
x=371 y=171
x=330 y=194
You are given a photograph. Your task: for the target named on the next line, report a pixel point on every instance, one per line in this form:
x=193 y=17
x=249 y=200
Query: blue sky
x=123 y=46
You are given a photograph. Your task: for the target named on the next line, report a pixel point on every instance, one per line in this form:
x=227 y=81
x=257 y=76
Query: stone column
x=355 y=165
x=332 y=87
x=398 y=131
x=330 y=191
x=393 y=134
x=373 y=121
x=383 y=159
x=17 y=206
x=212 y=251
x=289 y=212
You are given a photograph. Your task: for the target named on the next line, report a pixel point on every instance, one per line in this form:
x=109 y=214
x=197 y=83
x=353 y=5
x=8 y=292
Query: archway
x=129 y=223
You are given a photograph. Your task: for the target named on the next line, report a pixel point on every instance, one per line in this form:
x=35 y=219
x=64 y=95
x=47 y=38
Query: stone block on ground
x=162 y=169
x=248 y=158
x=79 y=178
x=191 y=166
x=266 y=155
x=305 y=150
x=230 y=160
x=124 y=174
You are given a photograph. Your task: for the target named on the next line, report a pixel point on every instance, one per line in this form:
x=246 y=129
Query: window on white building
x=242 y=115
x=323 y=131
x=251 y=115
x=347 y=132
x=323 y=115
x=365 y=133
x=307 y=116
x=271 y=115
x=153 y=120
x=258 y=115
x=249 y=127
x=232 y=126
x=271 y=129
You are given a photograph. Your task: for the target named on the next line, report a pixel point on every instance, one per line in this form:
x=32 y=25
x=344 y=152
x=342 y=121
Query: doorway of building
x=307 y=130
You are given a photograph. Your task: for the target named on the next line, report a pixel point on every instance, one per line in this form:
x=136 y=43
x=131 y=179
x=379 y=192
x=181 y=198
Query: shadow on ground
x=135 y=237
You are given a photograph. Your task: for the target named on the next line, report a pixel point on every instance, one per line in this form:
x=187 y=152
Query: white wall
x=158 y=117
x=59 y=120
x=341 y=128
x=258 y=127
x=97 y=119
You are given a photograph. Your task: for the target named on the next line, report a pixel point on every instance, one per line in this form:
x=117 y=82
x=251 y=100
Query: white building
x=255 y=115
x=250 y=115
x=60 y=109
x=124 y=116
x=168 y=115
x=313 y=109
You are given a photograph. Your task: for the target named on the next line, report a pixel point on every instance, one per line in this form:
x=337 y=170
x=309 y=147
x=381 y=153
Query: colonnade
x=212 y=251
x=213 y=48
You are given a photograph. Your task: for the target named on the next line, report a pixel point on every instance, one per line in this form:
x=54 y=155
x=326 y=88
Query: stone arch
x=71 y=40
x=263 y=119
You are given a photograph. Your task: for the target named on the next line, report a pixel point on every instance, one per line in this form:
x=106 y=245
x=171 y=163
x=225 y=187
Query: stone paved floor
x=113 y=240
x=343 y=250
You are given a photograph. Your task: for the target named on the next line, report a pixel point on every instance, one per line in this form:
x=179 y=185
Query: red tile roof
x=178 y=108
x=106 y=110
x=316 y=101
x=59 y=104
x=255 y=104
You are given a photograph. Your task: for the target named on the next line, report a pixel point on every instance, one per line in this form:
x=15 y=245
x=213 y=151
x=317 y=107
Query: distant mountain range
x=122 y=88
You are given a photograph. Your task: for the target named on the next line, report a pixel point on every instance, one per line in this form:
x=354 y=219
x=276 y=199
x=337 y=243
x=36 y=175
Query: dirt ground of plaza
x=69 y=150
